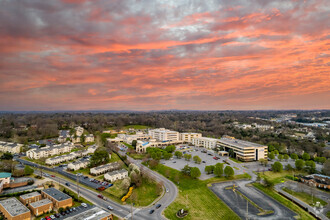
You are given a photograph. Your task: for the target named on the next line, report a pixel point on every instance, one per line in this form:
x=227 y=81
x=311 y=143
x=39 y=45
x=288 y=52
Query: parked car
x=110 y=208
x=203 y=161
x=174 y=161
x=68 y=184
x=74 y=209
x=84 y=205
x=110 y=185
x=57 y=215
x=85 y=177
x=158 y=206
x=151 y=211
x=52 y=175
x=101 y=188
x=52 y=217
x=63 y=213
x=67 y=212
x=100 y=196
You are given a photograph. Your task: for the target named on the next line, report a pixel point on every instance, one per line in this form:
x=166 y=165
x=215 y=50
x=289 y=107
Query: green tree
x=326 y=167
x=197 y=159
x=294 y=156
x=209 y=169
x=288 y=167
x=306 y=156
x=271 y=148
x=6 y=156
x=280 y=157
x=286 y=157
x=276 y=152
x=82 y=138
x=134 y=142
x=299 y=164
x=100 y=156
x=167 y=156
x=187 y=157
x=277 y=167
x=271 y=155
x=28 y=170
x=186 y=170
x=268 y=183
x=320 y=160
x=170 y=148
x=178 y=154
x=218 y=169
x=195 y=172
x=231 y=152
x=229 y=172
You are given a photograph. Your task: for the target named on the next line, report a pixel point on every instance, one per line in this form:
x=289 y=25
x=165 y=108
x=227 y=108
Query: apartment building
x=163 y=134
x=12 y=209
x=94 y=213
x=79 y=131
x=50 y=150
x=243 y=150
x=104 y=168
x=116 y=175
x=187 y=137
x=59 y=199
x=61 y=159
x=40 y=207
x=63 y=136
x=30 y=197
x=205 y=142
x=89 y=138
x=13 y=148
x=82 y=163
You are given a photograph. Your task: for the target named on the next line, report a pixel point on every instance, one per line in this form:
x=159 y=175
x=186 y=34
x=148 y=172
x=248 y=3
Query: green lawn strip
x=146 y=194
x=114 y=158
x=277 y=177
x=233 y=159
x=195 y=196
x=287 y=203
x=128 y=145
x=236 y=168
x=137 y=156
x=305 y=197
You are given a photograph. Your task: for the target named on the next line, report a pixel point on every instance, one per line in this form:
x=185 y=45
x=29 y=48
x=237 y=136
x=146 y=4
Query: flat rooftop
x=56 y=194
x=207 y=138
x=40 y=203
x=14 y=207
x=94 y=213
x=30 y=195
x=106 y=166
x=239 y=143
x=117 y=172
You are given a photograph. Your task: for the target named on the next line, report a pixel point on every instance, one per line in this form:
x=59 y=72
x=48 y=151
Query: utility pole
x=78 y=186
x=247 y=209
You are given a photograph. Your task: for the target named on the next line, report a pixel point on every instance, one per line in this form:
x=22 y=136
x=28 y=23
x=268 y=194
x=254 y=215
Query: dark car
x=63 y=213
x=203 y=161
x=68 y=184
x=158 y=206
x=85 y=177
x=67 y=212
x=151 y=211
x=57 y=215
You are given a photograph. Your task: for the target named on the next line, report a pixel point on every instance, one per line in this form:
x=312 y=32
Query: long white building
x=187 y=137
x=50 y=150
x=13 y=148
x=163 y=134
x=205 y=142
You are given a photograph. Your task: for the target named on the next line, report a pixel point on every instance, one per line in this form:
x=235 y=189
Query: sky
x=160 y=55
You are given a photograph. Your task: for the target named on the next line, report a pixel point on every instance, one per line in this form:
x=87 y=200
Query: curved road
x=124 y=211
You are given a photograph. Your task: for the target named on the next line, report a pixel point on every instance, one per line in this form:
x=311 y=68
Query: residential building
x=82 y=163
x=13 y=148
x=64 y=135
x=205 y=142
x=40 y=207
x=104 y=168
x=59 y=199
x=187 y=137
x=89 y=138
x=163 y=134
x=30 y=197
x=61 y=159
x=243 y=150
x=94 y=213
x=50 y=150
x=116 y=175
x=12 y=209
x=79 y=131
x=317 y=180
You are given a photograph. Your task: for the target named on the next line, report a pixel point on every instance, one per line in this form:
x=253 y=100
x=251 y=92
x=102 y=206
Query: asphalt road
x=123 y=211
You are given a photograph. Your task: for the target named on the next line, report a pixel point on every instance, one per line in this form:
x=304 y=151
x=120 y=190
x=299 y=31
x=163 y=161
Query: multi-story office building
x=205 y=142
x=187 y=137
x=243 y=150
x=163 y=134
x=30 y=197
x=59 y=199
x=12 y=209
x=40 y=207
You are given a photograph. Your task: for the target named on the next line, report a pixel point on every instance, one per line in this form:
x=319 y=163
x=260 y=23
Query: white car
x=84 y=205
x=110 y=208
x=167 y=190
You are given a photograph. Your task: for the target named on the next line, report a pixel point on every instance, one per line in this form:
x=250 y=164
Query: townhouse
x=116 y=175
x=104 y=168
x=61 y=159
x=82 y=163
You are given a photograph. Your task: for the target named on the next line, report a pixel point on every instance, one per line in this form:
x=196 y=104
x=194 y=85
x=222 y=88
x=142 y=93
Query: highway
x=122 y=211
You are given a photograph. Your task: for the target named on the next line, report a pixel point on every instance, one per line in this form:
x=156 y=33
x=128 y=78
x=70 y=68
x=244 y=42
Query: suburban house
x=116 y=175
x=59 y=199
x=12 y=209
x=13 y=148
x=104 y=168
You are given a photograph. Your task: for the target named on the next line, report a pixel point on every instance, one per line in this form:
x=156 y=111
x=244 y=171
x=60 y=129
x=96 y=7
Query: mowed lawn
x=195 y=196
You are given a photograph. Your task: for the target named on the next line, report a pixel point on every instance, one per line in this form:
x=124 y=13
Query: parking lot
x=207 y=159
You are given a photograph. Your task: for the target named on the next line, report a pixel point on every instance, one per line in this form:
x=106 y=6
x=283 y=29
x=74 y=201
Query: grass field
x=128 y=145
x=136 y=126
x=137 y=156
x=277 y=177
x=287 y=203
x=233 y=159
x=305 y=197
x=195 y=196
